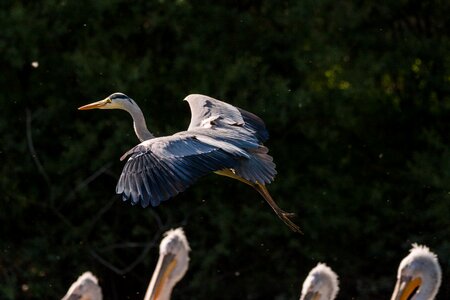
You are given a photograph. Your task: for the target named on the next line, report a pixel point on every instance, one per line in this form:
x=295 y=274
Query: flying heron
x=321 y=284
x=220 y=138
x=172 y=265
x=419 y=275
x=85 y=288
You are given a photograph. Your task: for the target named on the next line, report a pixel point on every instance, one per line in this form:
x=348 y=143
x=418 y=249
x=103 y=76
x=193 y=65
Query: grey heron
x=172 y=265
x=221 y=138
x=321 y=284
x=85 y=288
x=419 y=275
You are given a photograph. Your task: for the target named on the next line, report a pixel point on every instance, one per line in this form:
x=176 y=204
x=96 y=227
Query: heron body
x=220 y=138
x=172 y=264
x=320 y=284
x=419 y=275
x=85 y=288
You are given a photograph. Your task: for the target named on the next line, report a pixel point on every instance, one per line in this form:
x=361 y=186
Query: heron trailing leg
x=262 y=190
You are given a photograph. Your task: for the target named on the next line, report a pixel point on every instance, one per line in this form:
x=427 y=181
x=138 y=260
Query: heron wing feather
x=254 y=123
x=204 y=108
x=160 y=168
x=258 y=168
x=208 y=112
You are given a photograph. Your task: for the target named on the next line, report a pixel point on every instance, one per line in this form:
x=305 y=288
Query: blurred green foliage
x=355 y=95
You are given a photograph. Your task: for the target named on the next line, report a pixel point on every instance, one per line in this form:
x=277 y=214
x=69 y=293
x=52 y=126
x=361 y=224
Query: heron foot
x=287 y=219
x=284 y=216
x=288 y=215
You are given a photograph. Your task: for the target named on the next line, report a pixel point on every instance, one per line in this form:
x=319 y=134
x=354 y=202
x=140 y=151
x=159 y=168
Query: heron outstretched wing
x=160 y=168
x=208 y=112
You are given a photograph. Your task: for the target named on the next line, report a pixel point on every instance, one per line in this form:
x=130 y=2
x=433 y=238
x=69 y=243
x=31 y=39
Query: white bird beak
x=405 y=287
x=98 y=104
x=166 y=265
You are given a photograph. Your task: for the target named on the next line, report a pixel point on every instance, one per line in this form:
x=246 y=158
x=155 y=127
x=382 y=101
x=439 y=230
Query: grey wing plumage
x=160 y=168
x=238 y=127
x=253 y=123
x=259 y=167
x=256 y=166
x=209 y=112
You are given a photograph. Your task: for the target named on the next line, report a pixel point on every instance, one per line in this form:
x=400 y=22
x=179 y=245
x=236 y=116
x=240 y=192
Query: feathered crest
x=174 y=235
x=422 y=250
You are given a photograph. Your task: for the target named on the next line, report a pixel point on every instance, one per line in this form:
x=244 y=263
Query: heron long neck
x=140 y=127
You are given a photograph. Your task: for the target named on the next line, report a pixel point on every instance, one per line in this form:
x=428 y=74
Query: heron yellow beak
x=405 y=288
x=164 y=268
x=98 y=104
x=312 y=296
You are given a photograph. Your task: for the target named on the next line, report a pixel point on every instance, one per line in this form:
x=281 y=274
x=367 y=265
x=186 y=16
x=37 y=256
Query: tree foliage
x=355 y=95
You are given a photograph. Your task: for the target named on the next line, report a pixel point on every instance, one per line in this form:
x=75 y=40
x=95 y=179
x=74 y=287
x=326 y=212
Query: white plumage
x=86 y=288
x=322 y=283
x=419 y=275
x=172 y=264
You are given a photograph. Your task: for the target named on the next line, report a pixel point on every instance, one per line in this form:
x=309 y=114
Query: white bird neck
x=140 y=127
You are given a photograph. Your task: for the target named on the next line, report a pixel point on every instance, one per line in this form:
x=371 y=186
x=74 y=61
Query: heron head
x=113 y=101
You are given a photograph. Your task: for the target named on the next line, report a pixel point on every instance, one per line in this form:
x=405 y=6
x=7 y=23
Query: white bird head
x=113 y=101
x=321 y=284
x=419 y=275
x=85 y=288
x=172 y=265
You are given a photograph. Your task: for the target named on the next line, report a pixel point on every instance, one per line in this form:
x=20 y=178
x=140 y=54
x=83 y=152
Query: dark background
x=355 y=95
